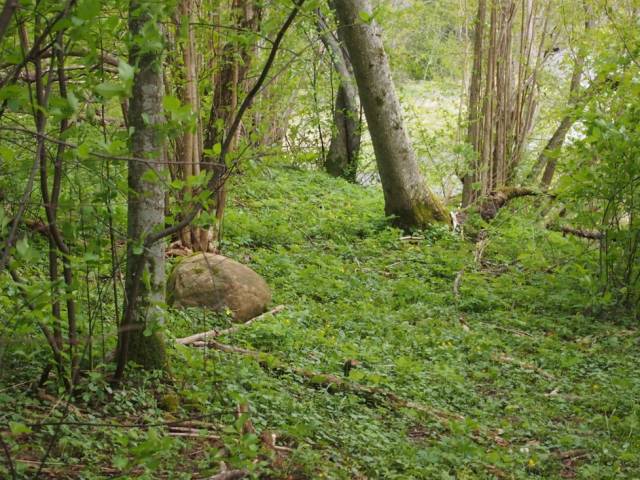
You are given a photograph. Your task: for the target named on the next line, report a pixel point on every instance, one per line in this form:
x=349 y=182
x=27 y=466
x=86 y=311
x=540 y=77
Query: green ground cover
x=524 y=373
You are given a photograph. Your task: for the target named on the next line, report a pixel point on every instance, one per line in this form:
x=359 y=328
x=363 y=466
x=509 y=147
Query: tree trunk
x=229 y=80
x=6 y=14
x=342 y=159
x=189 y=146
x=546 y=158
x=503 y=92
x=406 y=195
x=145 y=269
x=473 y=131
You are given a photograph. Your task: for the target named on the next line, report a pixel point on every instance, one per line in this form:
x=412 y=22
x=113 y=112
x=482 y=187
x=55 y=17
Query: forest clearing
x=300 y=239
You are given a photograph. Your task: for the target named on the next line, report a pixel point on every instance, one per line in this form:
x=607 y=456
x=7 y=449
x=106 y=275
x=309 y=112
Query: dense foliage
x=542 y=388
x=502 y=345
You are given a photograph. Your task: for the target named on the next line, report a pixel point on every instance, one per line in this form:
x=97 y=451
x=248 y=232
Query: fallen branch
x=412 y=238
x=332 y=382
x=492 y=203
x=566 y=230
x=195 y=435
x=514 y=331
x=481 y=243
x=526 y=366
x=230 y=475
x=456 y=284
x=204 y=336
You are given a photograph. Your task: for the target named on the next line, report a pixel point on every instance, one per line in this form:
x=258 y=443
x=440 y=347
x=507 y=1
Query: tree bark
x=492 y=203
x=229 y=80
x=546 y=158
x=407 y=197
x=577 y=232
x=342 y=158
x=144 y=283
x=189 y=146
x=503 y=92
x=473 y=129
x=8 y=8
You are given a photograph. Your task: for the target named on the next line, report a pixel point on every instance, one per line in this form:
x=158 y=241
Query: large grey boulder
x=216 y=282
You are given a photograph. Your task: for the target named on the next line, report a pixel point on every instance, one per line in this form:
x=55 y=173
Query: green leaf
x=366 y=17
x=109 y=90
x=6 y=154
x=73 y=101
x=88 y=9
x=22 y=247
x=138 y=248
x=18 y=428
x=83 y=151
x=125 y=71
x=171 y=103
x=120 y=462
x=150 y=176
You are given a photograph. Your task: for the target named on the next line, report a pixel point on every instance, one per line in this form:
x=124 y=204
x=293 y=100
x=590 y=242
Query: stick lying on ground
x=230 y=475
x=332 y=382
x=202 y=337
x=371 y=394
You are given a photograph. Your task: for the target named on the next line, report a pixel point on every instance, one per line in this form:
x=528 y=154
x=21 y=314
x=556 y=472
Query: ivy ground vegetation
x=305 y=239
x=466 y=360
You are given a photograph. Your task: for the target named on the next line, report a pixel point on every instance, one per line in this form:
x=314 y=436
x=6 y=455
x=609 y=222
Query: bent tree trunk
x=548 y=157
x=342 y=159
x=406 y=195
x=145 y=267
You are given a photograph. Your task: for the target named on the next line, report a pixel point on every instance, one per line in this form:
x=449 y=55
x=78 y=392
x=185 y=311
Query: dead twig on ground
x=204 y=336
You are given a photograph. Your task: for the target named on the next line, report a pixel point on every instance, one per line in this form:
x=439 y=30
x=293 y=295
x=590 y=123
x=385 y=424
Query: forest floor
x=490 y=361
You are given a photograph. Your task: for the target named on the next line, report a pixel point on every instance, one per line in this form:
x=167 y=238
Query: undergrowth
x=524 y=372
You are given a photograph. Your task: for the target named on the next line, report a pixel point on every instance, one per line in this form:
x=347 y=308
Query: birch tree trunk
x=406 y=195
x=144 y=283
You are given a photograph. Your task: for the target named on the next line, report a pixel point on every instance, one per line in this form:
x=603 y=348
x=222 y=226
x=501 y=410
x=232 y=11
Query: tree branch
x=202 y=337
x=577 y=232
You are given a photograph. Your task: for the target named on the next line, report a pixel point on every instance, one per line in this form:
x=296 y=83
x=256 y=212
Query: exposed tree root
x=492 y=203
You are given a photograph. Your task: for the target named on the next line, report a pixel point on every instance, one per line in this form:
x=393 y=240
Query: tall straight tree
x=406 y=195
x=508 y=56
x=189 y=146
x=229 y=81
x=138 y=338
